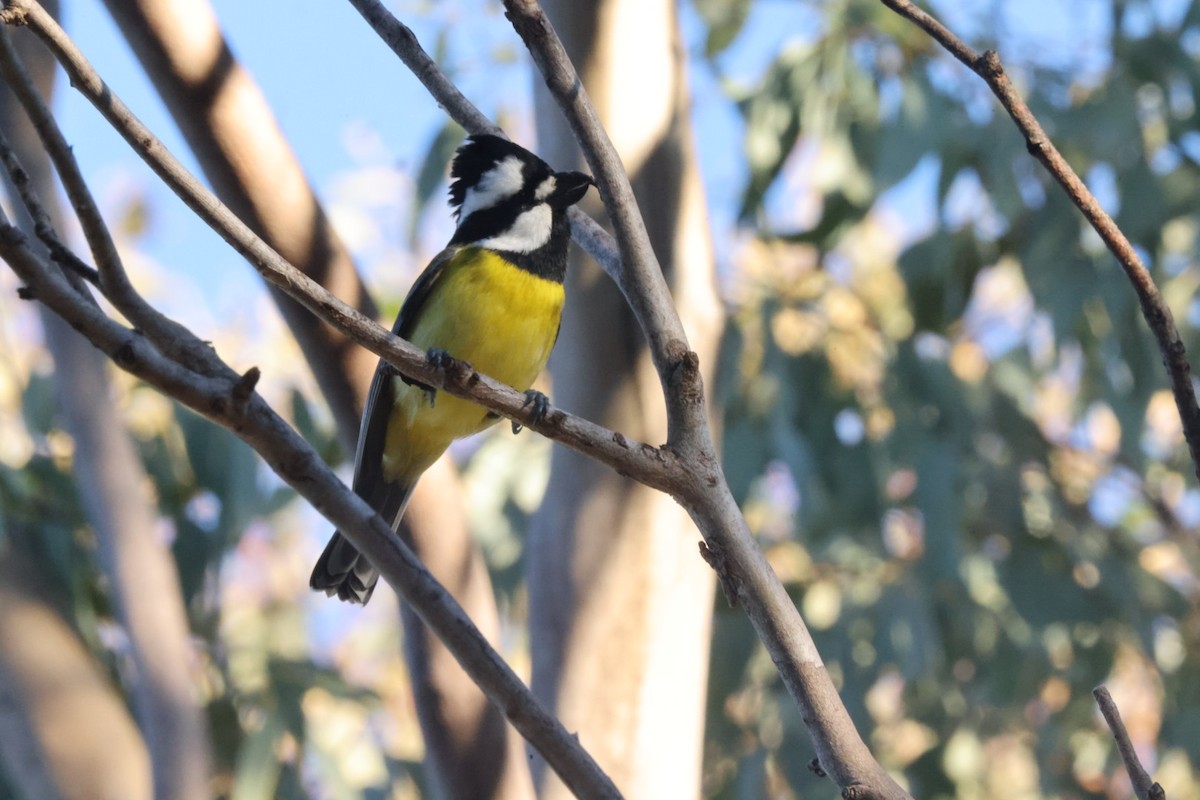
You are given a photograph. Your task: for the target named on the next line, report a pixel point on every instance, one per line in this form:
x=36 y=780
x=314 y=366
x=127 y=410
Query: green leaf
x=258 y=768
x=725 y=19
x=38 y=404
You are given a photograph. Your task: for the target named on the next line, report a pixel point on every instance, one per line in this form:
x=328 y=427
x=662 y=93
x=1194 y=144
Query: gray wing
x=341 y=569
x=372 y=434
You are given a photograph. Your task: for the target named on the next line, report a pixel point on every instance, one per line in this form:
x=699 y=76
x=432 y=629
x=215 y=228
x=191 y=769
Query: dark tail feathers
x=344 y=571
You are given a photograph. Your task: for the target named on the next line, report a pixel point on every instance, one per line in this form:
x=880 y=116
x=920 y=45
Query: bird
x=493 y=298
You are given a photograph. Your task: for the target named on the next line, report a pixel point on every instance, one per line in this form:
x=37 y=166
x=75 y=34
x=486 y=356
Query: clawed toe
x=541 y=407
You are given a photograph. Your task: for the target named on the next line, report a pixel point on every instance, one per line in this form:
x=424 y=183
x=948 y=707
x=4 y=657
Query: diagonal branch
x=234 y=404
x=1155 y=310
x=689 y=468
x=1143 y=785
x=586 y=232
x=643 y=462
x=43 y=227
x=728 y=545
x=112 y=276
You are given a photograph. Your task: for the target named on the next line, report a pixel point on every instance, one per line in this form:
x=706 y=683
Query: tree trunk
x=620 y=602
x=64 y=732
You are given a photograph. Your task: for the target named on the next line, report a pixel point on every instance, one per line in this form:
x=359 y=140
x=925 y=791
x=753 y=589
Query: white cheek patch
x=497 y=184
x=545 y=188
x=529 y=231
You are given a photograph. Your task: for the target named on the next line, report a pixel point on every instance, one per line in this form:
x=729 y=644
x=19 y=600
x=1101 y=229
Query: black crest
x=479 y=153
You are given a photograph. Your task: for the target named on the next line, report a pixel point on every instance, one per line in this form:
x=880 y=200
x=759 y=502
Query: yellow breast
x=491 y=313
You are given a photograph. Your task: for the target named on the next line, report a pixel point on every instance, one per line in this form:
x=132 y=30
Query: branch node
x=245 y=386
x=989 y=65
x=814 y=766
x=125 y=356
x=715 y=558
x=15 y=16
x=684 y=372
x=458 y=373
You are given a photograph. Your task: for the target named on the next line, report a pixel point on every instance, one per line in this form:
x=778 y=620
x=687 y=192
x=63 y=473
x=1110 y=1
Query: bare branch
x=688 y=469
x=227 y=402
x=403 y=42
x=1155 y=310
x=112 y=486
x=586 y=232
x=701 y=486
x=113 y=279
x=1143 y=785
x=641 y=279
x=43 y=228
x=646 y=463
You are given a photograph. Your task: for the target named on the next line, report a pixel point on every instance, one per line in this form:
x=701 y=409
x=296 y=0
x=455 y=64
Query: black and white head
x=508 y=199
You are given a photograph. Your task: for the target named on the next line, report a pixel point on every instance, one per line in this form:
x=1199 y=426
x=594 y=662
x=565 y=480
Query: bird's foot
x=439 y=358
x=541 y=407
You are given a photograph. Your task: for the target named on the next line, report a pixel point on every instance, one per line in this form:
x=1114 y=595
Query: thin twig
x=403 y=42
x=43 y=227
x=643 y=462
x=1143 y=785
x=1155 y=310
x=114 y=282
x=586 y=232
x=231 y=403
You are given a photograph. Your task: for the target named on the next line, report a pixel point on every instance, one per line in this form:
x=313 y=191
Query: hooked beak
x=569 y=189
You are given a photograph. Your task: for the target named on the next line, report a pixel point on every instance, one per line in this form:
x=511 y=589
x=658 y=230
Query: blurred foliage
x=944 y=417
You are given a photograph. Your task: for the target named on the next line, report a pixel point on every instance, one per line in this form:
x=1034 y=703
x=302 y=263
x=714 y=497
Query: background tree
x=619 y=609
x=945 y=421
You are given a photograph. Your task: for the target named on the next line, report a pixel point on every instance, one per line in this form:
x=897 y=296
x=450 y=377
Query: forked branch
x=688 y=468
x=1155 y=310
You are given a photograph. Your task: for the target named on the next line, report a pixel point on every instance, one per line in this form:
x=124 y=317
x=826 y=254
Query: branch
x=688 y=469
x=1155 y=310
x=234 y=404
x=1143 y=786
x=641 y=278
x=586 y=232
x=114 y=282
x=43 y=228
x=229 y=127
x=645 y=463
x=700 y=484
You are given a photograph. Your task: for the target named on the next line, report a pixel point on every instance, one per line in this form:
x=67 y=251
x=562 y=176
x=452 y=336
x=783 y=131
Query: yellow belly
x=484 y=310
